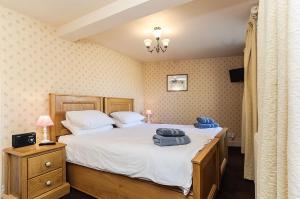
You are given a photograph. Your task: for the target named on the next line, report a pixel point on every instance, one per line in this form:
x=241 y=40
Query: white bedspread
x=131 y=152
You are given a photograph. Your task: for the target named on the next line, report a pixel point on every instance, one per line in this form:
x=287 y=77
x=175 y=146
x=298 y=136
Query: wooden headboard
x=117 y=104
x=60 y=103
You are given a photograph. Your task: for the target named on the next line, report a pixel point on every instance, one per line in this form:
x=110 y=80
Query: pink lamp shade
x=148 y=112
x=44 y=121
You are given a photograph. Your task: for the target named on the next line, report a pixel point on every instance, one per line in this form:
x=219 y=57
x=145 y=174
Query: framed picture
x=177 y=82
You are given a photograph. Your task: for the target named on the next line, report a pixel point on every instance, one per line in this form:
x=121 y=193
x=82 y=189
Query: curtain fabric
x=278 y=72
x=249 y=112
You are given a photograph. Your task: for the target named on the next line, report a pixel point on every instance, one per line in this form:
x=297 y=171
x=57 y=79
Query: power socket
x=231 y=135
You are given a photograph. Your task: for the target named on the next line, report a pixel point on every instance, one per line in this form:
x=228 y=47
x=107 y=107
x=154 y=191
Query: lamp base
x=148 y=119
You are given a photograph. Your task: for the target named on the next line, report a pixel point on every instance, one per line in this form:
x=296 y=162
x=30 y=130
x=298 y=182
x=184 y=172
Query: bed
x=207 y=165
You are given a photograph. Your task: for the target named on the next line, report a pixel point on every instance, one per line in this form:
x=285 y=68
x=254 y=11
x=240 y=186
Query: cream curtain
x=249 y=114
x=278 y=72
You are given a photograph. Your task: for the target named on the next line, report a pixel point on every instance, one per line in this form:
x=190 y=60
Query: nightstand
x=36 y=172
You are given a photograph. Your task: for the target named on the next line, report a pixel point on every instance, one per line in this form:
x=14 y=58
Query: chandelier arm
x=163 y=50
x=150 y=50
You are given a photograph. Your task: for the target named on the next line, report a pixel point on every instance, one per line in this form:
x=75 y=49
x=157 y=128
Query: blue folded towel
x=169 y=132
x=205 y=120
x=170 y=141
x=206 y=126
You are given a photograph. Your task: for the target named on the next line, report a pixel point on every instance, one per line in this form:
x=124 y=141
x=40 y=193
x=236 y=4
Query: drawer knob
x=48 y=164
x=48 y=183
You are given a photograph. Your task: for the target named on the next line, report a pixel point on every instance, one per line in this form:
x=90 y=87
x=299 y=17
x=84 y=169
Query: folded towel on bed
x=170 y=141
x=205 y=120
x=169 y=132
x=206 y=126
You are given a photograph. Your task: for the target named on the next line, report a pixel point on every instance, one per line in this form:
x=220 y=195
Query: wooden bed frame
x=208 y=164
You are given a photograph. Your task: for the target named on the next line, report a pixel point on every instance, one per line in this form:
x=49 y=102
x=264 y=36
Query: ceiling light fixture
x=161 y=45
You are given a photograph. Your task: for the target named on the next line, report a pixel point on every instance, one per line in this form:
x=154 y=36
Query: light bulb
x=165 y=42
x=157 y=32
x=147 y=42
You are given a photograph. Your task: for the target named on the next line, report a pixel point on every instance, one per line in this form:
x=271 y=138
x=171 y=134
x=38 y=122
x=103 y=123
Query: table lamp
x=148 y=113
x=44 y=121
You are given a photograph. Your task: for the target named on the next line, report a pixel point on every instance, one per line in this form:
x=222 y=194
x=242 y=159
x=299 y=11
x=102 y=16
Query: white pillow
x=88 y=119
x=77 y=131
x=127 y=117
x=122 y=125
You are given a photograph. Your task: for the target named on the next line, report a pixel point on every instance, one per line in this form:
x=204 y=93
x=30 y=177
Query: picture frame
x=177 y=82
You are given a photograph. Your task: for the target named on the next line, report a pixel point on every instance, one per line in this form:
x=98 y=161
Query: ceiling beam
x=112 y=15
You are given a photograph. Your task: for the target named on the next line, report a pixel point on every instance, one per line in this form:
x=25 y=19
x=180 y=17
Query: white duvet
x=131 y=152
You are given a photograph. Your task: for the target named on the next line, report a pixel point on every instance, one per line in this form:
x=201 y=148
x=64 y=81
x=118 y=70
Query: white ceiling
x=55 y=12
x=202 y=28
x=199 y=28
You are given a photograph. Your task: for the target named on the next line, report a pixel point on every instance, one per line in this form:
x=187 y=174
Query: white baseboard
x=235 y=142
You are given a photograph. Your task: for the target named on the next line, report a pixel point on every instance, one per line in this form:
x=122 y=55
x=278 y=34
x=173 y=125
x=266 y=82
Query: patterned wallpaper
x=210 y=92
x=35 y=62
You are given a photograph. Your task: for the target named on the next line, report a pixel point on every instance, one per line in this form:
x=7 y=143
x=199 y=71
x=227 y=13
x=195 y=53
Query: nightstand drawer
x=44 y=163
x=44 y=183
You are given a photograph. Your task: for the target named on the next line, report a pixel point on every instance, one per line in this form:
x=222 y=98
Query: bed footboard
x=104 y=185
x=206 y=171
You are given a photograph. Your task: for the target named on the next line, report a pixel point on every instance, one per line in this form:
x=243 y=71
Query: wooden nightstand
x=36 y=172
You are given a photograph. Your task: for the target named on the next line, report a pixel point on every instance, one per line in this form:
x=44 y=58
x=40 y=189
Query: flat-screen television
x=236 y=75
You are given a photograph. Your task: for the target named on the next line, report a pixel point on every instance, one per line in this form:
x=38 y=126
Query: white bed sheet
x=131 y=152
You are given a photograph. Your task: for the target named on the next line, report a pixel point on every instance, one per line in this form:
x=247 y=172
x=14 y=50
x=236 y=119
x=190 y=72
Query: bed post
x=52 y=114
x=206 y=171
x=223 y=150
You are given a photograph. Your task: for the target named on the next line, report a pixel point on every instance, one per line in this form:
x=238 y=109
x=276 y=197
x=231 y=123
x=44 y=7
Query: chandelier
x=161 y=44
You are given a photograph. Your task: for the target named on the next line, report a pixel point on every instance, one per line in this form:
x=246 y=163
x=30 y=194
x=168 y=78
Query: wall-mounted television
x=236 y=75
